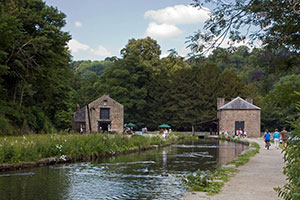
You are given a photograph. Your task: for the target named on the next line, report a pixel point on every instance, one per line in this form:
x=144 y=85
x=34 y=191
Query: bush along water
x=291 y=190
x=32 y=148
x=212 y=181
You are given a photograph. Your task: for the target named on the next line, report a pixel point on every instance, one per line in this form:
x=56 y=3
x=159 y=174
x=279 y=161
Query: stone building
x=103 y=114
x=239 y=113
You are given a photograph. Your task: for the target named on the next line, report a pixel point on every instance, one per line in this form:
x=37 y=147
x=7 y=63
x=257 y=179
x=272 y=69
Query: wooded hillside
x=40 y=85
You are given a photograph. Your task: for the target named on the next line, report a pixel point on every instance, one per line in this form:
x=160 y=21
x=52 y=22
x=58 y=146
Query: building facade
x=103 y=114
x=239 y=114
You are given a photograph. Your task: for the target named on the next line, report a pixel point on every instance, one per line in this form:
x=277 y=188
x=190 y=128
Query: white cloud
x=78 y=24
x=160 y=31
x=83 y=51
x=76 y=46
x=101 y=51
x=179 y=14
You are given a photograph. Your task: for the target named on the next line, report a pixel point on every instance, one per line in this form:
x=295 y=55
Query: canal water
x=153 y=174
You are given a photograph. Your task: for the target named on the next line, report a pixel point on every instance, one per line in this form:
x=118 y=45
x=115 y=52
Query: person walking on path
x=255 y=180
x=276 y=136
x=267 y=137
x=284 y=136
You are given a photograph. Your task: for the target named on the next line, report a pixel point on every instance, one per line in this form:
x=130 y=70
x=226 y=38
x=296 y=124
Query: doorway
x=239 y=125
x=103 y=126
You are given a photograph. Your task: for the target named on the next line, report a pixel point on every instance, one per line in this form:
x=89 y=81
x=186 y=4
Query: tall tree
x=128 y=79
x=34 y=57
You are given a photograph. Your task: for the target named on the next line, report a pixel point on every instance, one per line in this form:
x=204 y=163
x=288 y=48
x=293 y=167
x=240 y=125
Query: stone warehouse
x=239 y=114
x=103 y=114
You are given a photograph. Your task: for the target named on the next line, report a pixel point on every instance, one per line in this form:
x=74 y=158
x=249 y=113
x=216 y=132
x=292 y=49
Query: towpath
x=255 y=180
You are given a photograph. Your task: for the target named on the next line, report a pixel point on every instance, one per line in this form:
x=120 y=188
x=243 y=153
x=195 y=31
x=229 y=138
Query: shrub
x=291 y=190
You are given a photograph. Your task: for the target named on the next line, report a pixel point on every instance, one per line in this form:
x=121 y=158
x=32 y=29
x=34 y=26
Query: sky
x=101 y=28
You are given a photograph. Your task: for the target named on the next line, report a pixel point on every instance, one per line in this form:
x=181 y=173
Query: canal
x=153 y=174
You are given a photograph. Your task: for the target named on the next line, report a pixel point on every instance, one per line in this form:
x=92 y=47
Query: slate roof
x=79 y=116
x=239 y=104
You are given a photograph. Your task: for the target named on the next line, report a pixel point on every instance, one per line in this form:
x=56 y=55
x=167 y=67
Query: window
x=104 y=113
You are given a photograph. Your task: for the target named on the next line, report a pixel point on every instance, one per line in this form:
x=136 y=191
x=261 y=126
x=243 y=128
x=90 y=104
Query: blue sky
x=101 y=28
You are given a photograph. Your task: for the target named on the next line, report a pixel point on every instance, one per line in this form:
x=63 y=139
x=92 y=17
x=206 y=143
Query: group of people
x=164 y=132
x=237 y=133
x=283 y=135
x=128 y=130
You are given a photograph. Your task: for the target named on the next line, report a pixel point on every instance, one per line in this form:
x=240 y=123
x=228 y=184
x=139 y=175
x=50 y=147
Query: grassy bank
x=35 y=147
x=212 y=182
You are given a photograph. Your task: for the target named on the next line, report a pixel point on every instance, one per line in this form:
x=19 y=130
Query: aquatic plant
x=212 y=182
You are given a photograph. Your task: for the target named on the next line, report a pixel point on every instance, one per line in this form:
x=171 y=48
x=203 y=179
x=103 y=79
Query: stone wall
x=116 y=113
x=250 y=117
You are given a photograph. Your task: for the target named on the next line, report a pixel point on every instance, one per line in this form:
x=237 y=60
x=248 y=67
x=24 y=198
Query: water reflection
x=154 y=174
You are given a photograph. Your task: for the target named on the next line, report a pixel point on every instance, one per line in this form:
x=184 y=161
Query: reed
x=32 y=148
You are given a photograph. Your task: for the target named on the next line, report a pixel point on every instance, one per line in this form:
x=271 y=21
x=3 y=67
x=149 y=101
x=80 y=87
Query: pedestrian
x=160 y=131
x=276 y=136
x=108 y=127
x=240 y=132
x=245 y=133
x=165 y=132
x=284 y=137
x=233 y=135
x=267 y=137
x=226 y=132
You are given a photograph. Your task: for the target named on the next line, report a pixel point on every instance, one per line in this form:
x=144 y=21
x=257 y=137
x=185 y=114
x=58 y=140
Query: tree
x=127 y=80
x=230 y=85
x=146 y=49
x=280 y=104
x=291 y=189
x=206 y=83
x=275 y=23
x=34 y=58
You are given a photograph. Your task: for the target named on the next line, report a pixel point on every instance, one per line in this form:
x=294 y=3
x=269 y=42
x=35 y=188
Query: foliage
x=275 y=23
x=40 y=88
x=203 y=181
x=244 y=158
x=87 y=68
x=35 y=147
x=212 y=182
x=34 y=62
x=280 y=103
x=290 y=190
x=151 y=95
x=127 y=80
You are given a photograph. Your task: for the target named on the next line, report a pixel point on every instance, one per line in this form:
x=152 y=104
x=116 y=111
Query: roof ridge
x=239 y=103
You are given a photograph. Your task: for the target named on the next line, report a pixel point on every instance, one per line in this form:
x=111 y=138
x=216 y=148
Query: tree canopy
x=275 y=23
x=34 y=70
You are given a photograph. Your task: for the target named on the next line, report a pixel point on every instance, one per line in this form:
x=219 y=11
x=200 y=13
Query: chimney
x=78 y=107
x=250 y=100
x=220 y=102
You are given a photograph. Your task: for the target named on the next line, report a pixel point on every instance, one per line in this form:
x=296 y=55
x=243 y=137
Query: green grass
x=35 y=147
x=212 y=182
x=244 y=158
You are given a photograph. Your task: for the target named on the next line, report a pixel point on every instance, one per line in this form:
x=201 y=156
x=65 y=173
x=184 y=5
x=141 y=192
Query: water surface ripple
x=154 y=174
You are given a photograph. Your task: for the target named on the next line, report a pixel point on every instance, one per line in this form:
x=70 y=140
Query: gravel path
x=254 y=181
